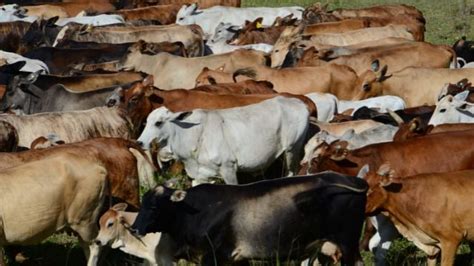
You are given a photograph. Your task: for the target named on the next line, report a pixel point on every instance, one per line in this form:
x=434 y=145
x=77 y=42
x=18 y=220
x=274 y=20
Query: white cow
x=99 y=20
x=326 y=104
x=223 y=32
x=156 y=248
x=209 y=18
x=32 y=65
x=223 y=47
x=383 y=103
x=9 y=13
x=381 y=133
x=453 y=109
x=219 y=143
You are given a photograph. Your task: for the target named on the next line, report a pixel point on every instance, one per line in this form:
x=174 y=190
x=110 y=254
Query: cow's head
x=136 y=101
x=287 y=40
x=243 y=36
x=209 y=76
x=224 y=32
x=325 y=153
x=370 y=83
x=43 y=142
x=41 y=33
x=451 y=109
x=380 y=184
x=19 y=90
x=111 y=225
x=186 y=13
x=160 y=125
x=158 y=210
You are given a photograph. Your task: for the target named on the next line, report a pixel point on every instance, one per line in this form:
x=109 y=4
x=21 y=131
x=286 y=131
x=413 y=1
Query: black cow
x=464 y=49
x=41 y=33
x=423 y=112
x=273 y=219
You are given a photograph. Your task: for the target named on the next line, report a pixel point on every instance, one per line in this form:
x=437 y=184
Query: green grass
x=445 y=23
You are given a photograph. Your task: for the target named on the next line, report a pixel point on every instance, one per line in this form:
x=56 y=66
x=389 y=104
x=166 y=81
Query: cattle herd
x=296 y=127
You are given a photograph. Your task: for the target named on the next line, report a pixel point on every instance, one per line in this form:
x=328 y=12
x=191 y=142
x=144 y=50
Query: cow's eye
x=158 y=123
x=181 y=18
x=134 y=100
x=366 y=87
x=276 y=51
x=110 y=224
x=442 y=110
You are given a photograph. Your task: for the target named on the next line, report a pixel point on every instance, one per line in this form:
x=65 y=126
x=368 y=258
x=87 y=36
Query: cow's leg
x=91 y=251
x=229 y=174
x=369 y=231
x=2 y=257
x=448 y=252
x=388 y=233
x=291 y=162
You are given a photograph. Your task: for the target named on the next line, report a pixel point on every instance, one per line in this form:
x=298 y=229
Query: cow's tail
x=146 y=169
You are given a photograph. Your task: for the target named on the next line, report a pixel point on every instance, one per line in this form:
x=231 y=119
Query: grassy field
x=445 y=21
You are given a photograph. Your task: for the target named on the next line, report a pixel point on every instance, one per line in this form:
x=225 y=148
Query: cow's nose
x=97 y=242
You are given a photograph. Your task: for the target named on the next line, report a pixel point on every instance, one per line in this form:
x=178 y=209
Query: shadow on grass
x=52 y=254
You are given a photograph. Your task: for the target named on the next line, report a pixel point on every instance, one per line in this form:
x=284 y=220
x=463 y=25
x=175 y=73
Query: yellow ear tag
x=259 y=25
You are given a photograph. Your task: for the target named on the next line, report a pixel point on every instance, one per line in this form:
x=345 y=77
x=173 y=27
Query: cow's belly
x=33 y=216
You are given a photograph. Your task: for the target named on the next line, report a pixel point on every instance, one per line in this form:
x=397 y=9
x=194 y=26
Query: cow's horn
x=395 y=117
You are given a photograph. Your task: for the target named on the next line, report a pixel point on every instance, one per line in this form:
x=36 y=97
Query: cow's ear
x=211 y=80
x=363 y=171
x=156 y=99
x=375 y=65
x=50 y=22
x=120 y=207
x=178 y=195
x=339 y=150
x=32 y=77
x=462 y=96
x=386 y=170
x=148 y=81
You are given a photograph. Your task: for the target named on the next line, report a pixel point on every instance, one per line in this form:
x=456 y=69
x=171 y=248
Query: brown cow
x=398 y=56
x=254 y=33
x=64 y=10
x=165 y=14
x=432 y=210
x=114 y=154
x=201 y=3
x=11 y=34
x=8 y=137
x=383 y=11
x=409 y=157
x=142 y=98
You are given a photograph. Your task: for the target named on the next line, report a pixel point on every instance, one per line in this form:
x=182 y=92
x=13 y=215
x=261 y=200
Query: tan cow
x=172 y=71
x=338 y=80
x=291 y=35
x=64 y=10
x=31 y=211
x=71 y=126
x=201 y=3
x=398 y=56
x=165 y=14
x=417 y=86
x=431 y=210
x=190 y=35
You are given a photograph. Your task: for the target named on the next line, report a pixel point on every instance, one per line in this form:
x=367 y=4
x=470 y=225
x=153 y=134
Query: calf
x=453 y=109
x=229 y=224
x=431 y=210
x=115 y=231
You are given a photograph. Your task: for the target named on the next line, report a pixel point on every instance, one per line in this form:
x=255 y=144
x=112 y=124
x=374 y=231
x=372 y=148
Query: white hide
x=99 y=20
x=218 y=143
x=326 y=104
x=222 y=47
x=209 y=18
x=382 y=103
x=453 y=109
x=32 y=65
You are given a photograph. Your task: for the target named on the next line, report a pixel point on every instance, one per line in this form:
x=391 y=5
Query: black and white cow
x=273 y=219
